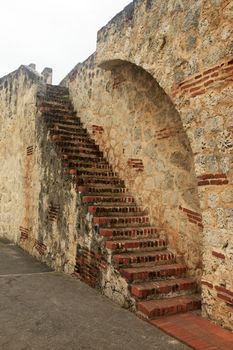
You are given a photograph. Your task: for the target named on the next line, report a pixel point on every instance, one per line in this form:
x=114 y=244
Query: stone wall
x=17 y=133
x=186 y=46
x=37 y=200
x=141 y=135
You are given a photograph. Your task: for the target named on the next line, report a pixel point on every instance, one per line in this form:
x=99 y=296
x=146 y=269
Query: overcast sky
x=51 y=33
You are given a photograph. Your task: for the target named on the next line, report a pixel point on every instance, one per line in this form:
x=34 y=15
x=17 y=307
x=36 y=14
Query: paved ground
x=41 y=309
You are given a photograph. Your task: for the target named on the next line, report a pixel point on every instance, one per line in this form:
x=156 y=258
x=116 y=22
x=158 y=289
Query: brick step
x=156 y=308
x=108 y=199
x=133 y=220
x=170 y=287
x=144 y=258
x=95 y=173
x=61 y=104
x=79 y=131
x=59 y=137
x=83 y=158
x=82 y=140
x=129 y=232
x=101 y=166
x=100 y=190
x=52 y=97
x=137 y=274
x=76 y=151
x=92 y=152
x=61 y=115
x=89 y=181
x=56 y=107
x=63 y=125
x=75 y=143
x=109 y=209
x=57 y=94
x=136 y=244
x=57 y=88
x=64 y=121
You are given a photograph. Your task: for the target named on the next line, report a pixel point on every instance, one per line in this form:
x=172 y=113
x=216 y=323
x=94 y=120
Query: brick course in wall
x=219 y=75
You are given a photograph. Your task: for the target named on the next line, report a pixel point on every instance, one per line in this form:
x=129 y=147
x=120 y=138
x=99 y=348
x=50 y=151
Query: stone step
x=113 y=210
x=129 y=232
x=157 y=288
x=134 y=274
x=89 y=181
x=156 y=308
x=136 y=244
x=133 y=220
x=108 y=199
x=144 y=258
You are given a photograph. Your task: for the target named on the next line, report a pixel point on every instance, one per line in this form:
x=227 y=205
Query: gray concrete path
x=41 y=309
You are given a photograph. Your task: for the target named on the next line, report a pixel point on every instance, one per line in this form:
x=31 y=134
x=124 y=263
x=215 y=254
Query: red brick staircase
x=157 y=282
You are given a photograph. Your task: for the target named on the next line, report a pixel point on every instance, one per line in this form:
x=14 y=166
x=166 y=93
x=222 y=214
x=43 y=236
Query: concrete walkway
x=41 y=309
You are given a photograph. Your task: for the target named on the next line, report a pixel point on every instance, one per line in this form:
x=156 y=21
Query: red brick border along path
x=196 y=332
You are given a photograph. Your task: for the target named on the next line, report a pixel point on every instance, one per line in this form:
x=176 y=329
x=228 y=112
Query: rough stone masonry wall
x=141 y=135
x=55 y=240
x=17 y=132
x=37 y=203
x=187 y=47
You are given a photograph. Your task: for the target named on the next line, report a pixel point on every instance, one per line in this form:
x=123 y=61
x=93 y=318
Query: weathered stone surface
x=157 y=97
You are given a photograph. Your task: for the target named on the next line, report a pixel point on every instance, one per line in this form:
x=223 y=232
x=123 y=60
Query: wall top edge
x=31 y=74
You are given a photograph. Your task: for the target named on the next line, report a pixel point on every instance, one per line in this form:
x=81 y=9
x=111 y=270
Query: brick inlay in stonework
x=212 y=179
x=29 y=150
x=202 y=82
x=193 y=217
x=97 y=130
x=225 y=295
x=136 y=164
x=53 y=212
x=40 y=247
x=88 y=266
x=24 y=233
x=207 y=284
x=218 y=255
x=167 y=132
